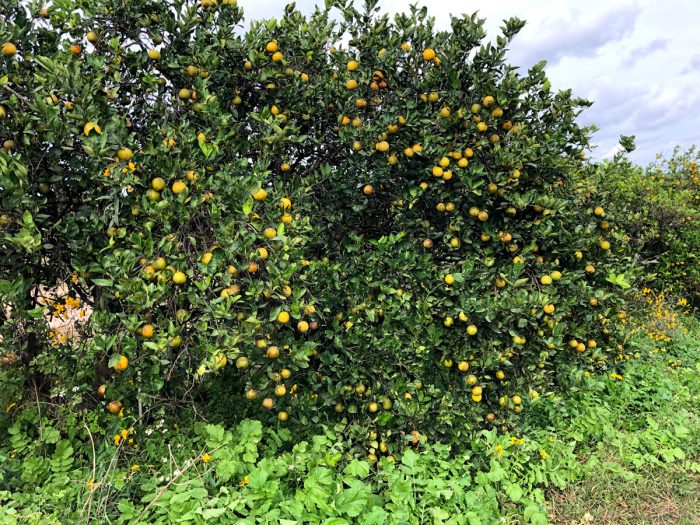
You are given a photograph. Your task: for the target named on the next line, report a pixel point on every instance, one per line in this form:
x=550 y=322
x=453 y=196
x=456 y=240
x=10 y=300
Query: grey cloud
x=644 y=51
x=579 y=37
x=693 y=65
x=638 y=109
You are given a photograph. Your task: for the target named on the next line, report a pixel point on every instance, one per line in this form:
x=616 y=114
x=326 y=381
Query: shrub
x=362 y=220
x=659 y=208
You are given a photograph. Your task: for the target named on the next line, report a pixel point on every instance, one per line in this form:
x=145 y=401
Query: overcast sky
x=638 y=60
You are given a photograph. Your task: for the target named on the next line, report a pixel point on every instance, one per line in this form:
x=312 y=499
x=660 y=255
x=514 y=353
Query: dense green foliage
x=659 y=209
x=386 y=232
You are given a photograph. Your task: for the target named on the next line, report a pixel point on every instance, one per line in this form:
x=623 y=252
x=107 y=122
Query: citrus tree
x=341 y=217
x=659 y=212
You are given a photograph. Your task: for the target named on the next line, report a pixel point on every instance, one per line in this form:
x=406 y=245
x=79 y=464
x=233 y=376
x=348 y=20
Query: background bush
x=658 y=208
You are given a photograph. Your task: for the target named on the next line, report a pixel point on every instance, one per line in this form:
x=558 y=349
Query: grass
x=641 y=470
x=658 y=497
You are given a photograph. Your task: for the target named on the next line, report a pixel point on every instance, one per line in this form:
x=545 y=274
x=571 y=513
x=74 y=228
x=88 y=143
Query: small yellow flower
x=117 y=439
x=244 y=482
x=135 y=467
x=132 y=166
x=74 y=278
x=543 y=454
x=90 y=485
x=206 y=458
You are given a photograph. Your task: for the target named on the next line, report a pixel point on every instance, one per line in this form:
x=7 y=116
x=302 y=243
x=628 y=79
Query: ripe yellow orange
x=382 y=146
x=429 y=54
x=549 y=309
x=260 y=195
x=154 y=54
x=546 y=280
x=368 y=189
x=270 y=233
x=122 y=364
x=449 y=279
x=556 y=275
x=179 y=278
x=303 y=326
x=147 y=331
x=125 y=154
x=220 y=360
x=598 y=211
x=9 y=49
x=472 y=329
x=463 y=366
x=283 y=416
x=488 y=101
x=277 y=57
x=351 y=84
x=114 y=407
x=179 y=186
x=271 y=46
x=268 y=403
x=242 y=363
x=353 y=65
x=283 y=317
x=158 y=184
